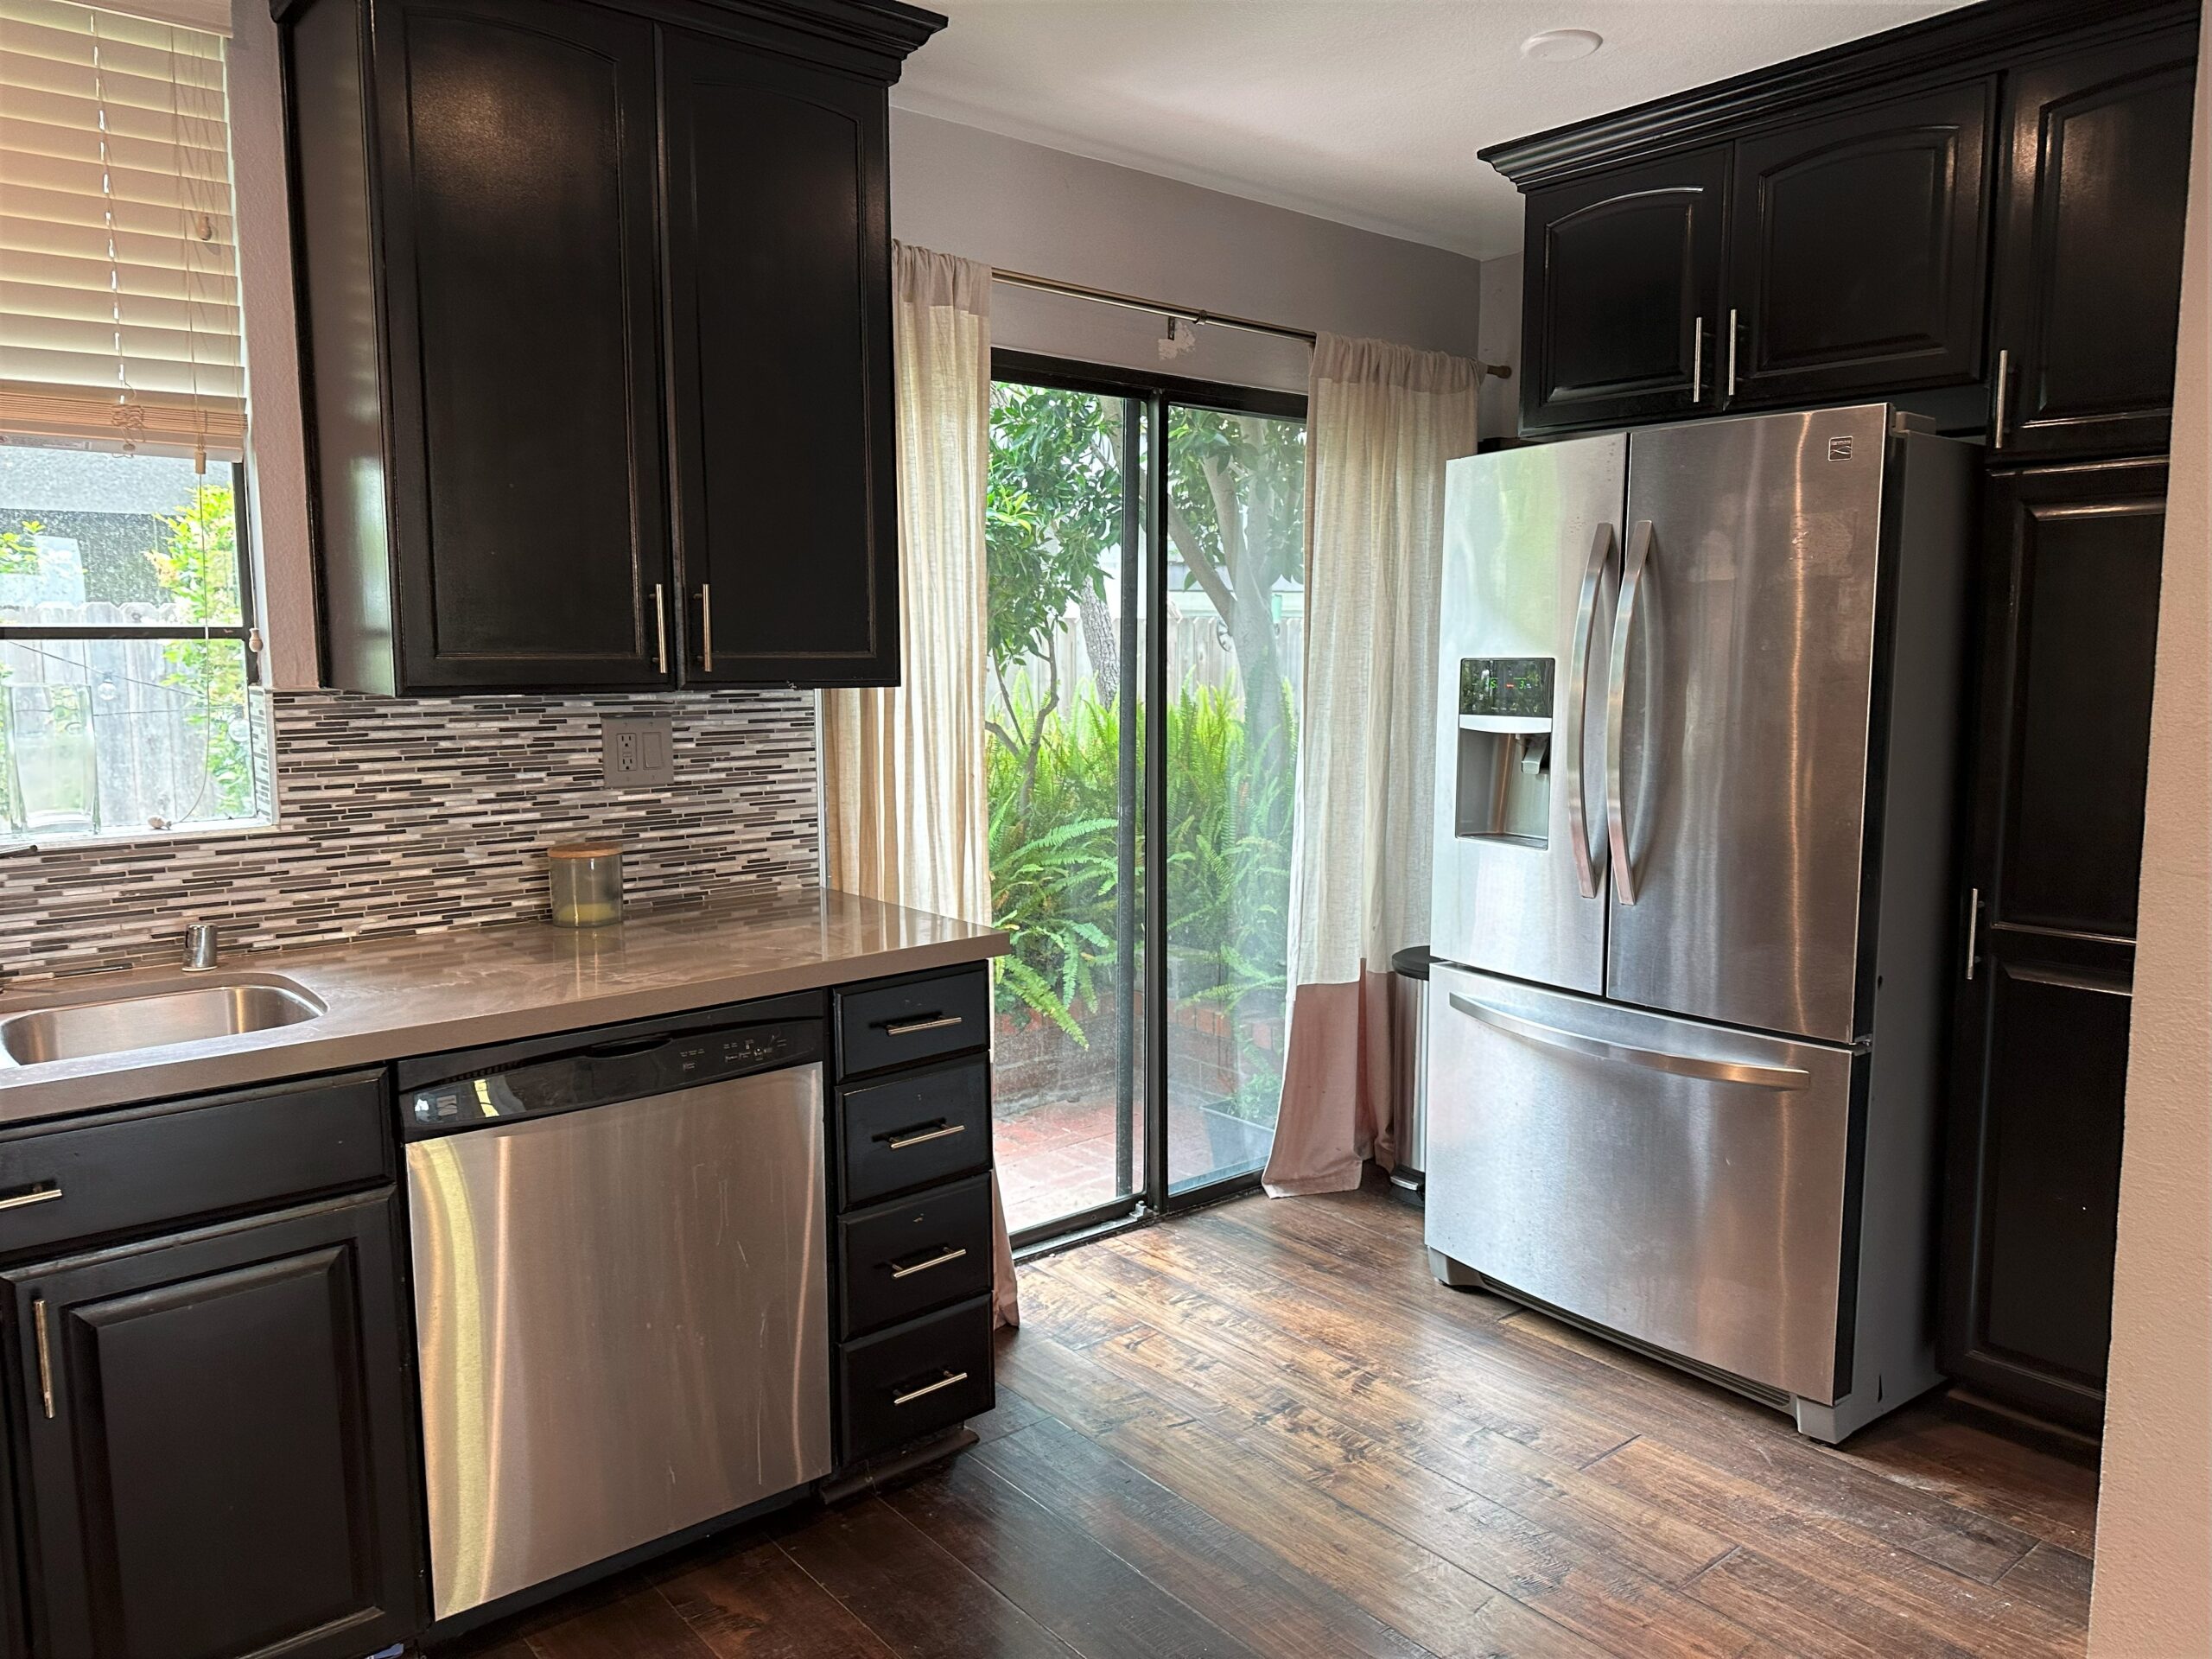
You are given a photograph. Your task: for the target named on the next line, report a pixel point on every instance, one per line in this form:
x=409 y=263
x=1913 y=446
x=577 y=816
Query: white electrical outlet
x=638 y=753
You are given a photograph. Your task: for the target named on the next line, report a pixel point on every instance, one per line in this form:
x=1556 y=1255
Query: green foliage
x=197 y=565
x=1055 y=873
x=1053 y=507
x=18 y=552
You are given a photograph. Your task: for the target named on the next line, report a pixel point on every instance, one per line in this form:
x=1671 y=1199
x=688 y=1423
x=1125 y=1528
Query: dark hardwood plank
x=2054 y=1580
x=1249 y=1590
x=923 y=1604
x=641 y=1626
x=1090 y=1597
x=1466 y=1450
x=1602 y=1598
x=1010 y=1416
x=2042 y=1481
x=1851 y=1559
x=755 y=1603
x=1439 y=1604
x=1808 y=1618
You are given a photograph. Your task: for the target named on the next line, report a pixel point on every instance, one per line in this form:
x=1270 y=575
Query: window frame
x=246 y=630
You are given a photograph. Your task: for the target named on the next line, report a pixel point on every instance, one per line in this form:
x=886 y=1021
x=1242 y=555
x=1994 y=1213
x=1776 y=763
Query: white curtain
x=904 y=812
x=1381 y=421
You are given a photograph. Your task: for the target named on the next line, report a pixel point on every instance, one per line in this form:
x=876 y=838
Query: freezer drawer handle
x=1588 y=871
x=926 y=1022
x=936 y=1260
x=937 y=1131
x=44 y=1193
x=1639 y=561
x=1654 y=1059
x=945 y=1382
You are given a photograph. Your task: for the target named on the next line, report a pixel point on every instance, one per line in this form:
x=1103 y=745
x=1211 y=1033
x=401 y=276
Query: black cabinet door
x=780 y=331
x=2072 y=560
x=518 y=168
x=219 y=1461
x=1621 y=312
x=2088 y=288
x=1856 y=262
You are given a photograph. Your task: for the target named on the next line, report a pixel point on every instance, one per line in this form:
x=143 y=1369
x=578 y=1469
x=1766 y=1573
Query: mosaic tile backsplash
x=400 y=816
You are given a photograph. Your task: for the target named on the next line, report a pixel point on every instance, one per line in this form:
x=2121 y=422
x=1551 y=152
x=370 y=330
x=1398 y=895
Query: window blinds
x=118 y=269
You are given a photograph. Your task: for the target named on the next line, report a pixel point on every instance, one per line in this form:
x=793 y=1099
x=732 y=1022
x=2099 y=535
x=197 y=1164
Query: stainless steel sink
x=71 y=1031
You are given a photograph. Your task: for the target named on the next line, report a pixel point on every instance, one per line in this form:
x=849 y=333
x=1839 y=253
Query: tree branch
x=1186 y=541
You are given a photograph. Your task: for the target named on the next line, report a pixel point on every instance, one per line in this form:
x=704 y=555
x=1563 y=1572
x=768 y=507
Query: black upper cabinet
x=517 y=171
x=1856 y=252
x=1623 y=293
x=780 y=329
x=1993 y=195
x=596 y=320
x=2089 y=250
x=219 y=1457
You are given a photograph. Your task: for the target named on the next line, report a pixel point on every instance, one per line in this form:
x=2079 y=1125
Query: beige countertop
x=387 y=999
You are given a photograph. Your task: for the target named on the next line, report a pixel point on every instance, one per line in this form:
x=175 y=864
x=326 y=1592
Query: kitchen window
x=126 y=627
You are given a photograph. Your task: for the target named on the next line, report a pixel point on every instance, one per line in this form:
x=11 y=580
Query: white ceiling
x=1365 y=112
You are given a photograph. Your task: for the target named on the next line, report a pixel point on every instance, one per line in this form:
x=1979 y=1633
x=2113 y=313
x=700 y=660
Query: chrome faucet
x=203 y=948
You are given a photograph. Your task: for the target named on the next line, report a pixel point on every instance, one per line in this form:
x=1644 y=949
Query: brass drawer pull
x=912 y=1394
x=936 y=1260
x=45 y=1357
x=937 y=1131
x=927 y=1022
x=44 y=1193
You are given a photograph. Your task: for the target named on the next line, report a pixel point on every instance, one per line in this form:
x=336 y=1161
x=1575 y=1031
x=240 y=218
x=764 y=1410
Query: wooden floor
x=1264 y=1430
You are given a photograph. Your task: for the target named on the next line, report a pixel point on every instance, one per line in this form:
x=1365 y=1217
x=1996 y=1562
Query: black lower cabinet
x=2040 y=1063
x=910 y=1121
x=215 y=1454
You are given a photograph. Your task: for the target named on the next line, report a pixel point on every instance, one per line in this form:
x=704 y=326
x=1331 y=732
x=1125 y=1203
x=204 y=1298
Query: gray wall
x=1021 y=207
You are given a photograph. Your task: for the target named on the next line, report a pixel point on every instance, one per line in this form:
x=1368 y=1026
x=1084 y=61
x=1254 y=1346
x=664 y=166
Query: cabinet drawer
x=916 y=1379
x=917 y=1254
x=912 y=1019
x=914 y=1130
x=151 y=1166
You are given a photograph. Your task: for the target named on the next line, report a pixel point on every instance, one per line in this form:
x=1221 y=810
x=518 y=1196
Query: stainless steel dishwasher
x=622 y=1290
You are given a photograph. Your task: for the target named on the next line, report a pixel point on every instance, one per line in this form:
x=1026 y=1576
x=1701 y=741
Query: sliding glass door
x=1140 y=753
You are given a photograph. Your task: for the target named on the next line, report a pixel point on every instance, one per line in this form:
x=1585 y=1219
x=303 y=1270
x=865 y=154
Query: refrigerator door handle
x=1652 y=1059
x=1588 y=870
x=1639 y=558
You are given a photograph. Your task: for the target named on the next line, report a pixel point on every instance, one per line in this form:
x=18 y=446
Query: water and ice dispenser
x=1505 y=748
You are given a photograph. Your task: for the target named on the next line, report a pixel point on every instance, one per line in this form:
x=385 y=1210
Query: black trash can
x=1409 y=1036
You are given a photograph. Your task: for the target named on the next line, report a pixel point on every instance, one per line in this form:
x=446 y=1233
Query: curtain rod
x=1159 y=308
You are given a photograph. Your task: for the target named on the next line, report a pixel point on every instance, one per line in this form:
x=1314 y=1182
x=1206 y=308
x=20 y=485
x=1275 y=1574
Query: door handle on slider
x=1588 y=871
x=1639 y=559
x=945 y=1382
x=936 y=1260
x=927 y=1022
x=1652 y=1059
x=914 y=1138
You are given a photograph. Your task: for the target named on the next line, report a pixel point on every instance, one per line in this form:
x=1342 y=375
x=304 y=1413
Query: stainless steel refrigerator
x=1698 y=710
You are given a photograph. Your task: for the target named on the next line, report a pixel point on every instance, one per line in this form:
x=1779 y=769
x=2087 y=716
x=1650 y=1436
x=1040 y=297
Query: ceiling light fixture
x=1561 y=45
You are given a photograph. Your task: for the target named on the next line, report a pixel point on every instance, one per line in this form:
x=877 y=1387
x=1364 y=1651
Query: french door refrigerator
x=1699 y=696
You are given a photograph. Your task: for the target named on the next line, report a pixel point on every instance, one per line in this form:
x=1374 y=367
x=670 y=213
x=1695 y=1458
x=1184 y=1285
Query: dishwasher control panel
x=618 y=1069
